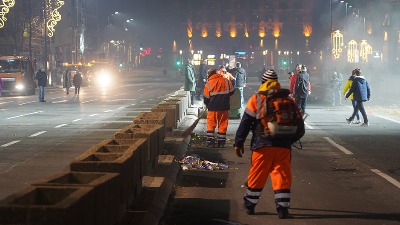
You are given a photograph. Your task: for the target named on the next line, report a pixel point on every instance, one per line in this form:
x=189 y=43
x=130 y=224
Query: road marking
x=59 y=101
x=89 y=101
x=27 y=103
x=38 y=133
x=122 y=107
x=61 y=125
x=119 y=94
x=23 y=115
x=141 y=89
x=93 y=115
x=341 y=148
x=108 y=111
x=76 y=120
x=10 y=143
x=142 y=101
x=386 y=118
x=309 y=126
x=1 y=103
x=387 y=177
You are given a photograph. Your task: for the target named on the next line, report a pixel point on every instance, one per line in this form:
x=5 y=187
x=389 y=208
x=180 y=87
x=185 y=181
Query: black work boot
x=283 y=213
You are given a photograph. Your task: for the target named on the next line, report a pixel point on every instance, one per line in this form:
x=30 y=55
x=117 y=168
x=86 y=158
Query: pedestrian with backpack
x=302 y=89
x=276 y=123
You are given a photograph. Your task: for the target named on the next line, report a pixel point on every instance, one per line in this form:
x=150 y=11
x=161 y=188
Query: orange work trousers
x=219 y=118
x=270 y=160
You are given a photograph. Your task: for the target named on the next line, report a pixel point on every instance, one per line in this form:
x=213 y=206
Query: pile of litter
x=195 y=162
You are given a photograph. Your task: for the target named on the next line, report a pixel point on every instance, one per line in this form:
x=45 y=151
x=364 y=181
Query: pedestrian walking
x=239 y=73
x=269 y=155
x=217 y=92
x=190 y=80
x=77 y=82
x=202 y=79
x=293 y=78
x=361 y=93
x=336 y=88
x=67 y=80
x=41 y=78
x=346 y=88
x=302 y=89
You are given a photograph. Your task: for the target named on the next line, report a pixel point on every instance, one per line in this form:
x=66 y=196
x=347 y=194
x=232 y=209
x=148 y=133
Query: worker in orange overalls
x=269 y=156
x=217 y=92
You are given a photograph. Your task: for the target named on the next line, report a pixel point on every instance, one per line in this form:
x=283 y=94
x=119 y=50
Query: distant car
x=102 y=74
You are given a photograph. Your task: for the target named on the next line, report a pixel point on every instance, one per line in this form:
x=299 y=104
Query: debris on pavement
x=195 y=162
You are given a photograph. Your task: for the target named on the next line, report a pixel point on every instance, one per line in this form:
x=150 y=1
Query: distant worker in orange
x=217 y=92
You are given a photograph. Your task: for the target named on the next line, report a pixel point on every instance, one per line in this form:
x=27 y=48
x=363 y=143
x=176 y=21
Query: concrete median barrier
x=45 y=205
x=127 y=163
x=155 y=135
x=107 y=207
x=171 y=120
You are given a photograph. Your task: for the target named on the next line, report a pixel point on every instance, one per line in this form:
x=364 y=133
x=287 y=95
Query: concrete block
x=126 y=164
x=171 y=116
x=107 y=208
x=155 y=135
x=49 y=205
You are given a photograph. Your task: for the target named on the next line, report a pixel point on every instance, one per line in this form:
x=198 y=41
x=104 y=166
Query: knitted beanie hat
x=269 y=75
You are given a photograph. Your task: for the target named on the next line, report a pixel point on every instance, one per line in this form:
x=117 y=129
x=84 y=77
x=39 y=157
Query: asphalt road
x=40 y=139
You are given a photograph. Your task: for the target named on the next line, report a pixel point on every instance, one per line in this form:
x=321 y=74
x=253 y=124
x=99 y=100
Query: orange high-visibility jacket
x=217 y=92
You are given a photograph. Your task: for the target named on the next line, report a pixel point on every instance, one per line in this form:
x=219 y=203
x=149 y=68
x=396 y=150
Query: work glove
x=239 y=151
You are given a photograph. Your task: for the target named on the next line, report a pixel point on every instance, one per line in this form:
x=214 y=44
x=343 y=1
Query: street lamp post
x=330 y=7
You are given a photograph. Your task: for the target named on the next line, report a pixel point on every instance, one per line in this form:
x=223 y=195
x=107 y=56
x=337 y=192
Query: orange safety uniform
x=217 y=92
x=269 y=157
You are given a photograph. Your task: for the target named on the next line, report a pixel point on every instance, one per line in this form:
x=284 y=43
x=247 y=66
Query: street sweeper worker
x=217 y=92
x=270 y=154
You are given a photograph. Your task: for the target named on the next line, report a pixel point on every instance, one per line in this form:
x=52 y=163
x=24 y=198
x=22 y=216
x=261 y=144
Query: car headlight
x=19 y=87
x=104 y=78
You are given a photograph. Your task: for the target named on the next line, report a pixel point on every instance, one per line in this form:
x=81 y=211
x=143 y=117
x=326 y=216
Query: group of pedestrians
x=195 y=82
x=76 y=81
x=41 y=78
x=357 y=89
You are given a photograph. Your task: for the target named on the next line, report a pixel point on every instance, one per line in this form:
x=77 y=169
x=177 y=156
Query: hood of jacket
x=360 y=79
x=268 y=85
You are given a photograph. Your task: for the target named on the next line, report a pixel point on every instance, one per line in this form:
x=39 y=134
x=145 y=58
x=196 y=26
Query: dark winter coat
x=302 y=85
x=360 y=89
x=240 y=75
x=42 y=78
x=77 y=80
x=202 y=76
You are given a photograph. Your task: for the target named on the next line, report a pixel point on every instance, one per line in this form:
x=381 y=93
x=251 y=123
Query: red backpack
x=280 y=119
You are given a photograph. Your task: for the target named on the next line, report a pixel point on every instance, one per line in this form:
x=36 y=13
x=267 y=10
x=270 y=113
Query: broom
x=190 y=129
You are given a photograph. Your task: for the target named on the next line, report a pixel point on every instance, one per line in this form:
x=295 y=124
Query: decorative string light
x=337 y=43
x=5 y=8
x=54 y=15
